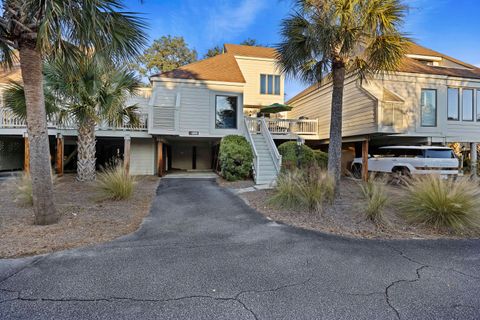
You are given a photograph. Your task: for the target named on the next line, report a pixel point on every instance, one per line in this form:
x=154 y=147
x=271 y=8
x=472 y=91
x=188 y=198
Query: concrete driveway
x=204 y=254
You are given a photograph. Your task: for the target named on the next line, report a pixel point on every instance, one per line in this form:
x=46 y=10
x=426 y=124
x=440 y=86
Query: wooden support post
x=126 y=154
x=473 y=159
x=26 y=157
x=160 y=159
x=59 y=156
x=365 y=160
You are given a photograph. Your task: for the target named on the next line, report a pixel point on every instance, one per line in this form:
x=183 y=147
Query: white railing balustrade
x=285 y=126
x=277 y=158
x=9 y=120
x=248 y=122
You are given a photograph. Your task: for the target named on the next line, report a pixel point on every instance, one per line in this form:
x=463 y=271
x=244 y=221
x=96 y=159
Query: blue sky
x=449 y=26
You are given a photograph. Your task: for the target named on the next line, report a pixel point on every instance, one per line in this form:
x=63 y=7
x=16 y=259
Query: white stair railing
x=277 y=158
x=248 y=122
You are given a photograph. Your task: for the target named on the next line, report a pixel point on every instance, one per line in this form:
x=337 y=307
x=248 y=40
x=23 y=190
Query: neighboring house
x=186 y=112
x=431 y=99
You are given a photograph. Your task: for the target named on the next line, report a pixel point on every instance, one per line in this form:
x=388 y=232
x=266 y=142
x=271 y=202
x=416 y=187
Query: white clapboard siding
x=195 y=110
x=359 y=109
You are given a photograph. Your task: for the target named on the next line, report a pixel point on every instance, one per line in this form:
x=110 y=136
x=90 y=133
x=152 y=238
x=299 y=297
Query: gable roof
x=222 y=67
x=415 y=48
x=410 y=65
x=251 y=51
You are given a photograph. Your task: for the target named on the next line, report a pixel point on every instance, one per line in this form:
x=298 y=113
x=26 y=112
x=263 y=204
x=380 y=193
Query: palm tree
x=86 y=94
x=337 y=37
x=40 y=28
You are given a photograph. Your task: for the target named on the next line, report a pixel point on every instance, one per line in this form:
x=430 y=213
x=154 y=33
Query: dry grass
x=83 y=219
x=376 y=199
x=23 y=189
x=115 y=183
x=307 y=188
x=443 y=204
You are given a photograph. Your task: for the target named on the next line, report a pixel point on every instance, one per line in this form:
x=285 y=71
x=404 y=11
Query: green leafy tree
x=250 y=42
x=165 y=54
x=215 y=51
x=40 y=28
x=84 y=95
x=339 y=37
x=212 y=52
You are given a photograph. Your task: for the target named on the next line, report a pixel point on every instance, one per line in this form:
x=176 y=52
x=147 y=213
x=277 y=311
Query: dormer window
x=270 y=84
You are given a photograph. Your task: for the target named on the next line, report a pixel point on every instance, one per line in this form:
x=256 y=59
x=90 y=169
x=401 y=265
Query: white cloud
x=231 y=18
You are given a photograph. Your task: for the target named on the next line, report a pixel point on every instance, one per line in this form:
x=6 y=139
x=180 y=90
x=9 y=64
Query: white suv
x=408 y=160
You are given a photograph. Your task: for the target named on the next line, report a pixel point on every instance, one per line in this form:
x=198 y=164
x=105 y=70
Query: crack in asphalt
x=391 y=285
x=235 y=298
x=428 y=265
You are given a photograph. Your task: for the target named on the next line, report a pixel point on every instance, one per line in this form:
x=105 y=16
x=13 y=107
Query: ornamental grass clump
x=23 y=189
x=115 y=183
x=308 y=189
x=316 y=188
x=287 y=194
x=443 y=204
x=376 y=199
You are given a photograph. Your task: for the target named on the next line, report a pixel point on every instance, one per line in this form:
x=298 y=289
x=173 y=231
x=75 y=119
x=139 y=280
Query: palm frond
x=14 y=99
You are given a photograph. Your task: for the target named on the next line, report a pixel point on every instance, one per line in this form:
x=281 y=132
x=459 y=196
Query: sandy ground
x=83 y=220
x=346 y=216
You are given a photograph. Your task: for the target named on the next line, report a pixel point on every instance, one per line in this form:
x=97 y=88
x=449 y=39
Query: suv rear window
x=439 y=153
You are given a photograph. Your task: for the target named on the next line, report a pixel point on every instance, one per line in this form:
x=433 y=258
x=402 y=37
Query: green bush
x=321 y=158
x=308 y=189
x=376 y=199
x=236 y=158
x=443 y=204
x=115 y=183
x=289 y=151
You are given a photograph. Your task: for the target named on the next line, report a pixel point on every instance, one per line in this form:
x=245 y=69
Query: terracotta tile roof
x=222 y=67
x=251 y=51
x=410 y=65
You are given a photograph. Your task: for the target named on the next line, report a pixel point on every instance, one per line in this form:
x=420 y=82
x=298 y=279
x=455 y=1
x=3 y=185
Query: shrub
x=115 y=183
x=443 y=204
x=23 y=188
x=309 y=189
x=376 y=199
x=288 y=150
x=321 y=158
x=236 y=158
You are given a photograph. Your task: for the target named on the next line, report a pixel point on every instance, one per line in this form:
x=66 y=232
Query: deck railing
x=285 y=126
x=9 y=120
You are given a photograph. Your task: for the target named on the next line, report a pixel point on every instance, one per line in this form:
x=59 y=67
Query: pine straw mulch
x=84 y=219
x=346 y=217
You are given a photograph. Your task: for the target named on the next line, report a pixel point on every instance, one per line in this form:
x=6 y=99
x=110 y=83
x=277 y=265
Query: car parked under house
x=432 y=99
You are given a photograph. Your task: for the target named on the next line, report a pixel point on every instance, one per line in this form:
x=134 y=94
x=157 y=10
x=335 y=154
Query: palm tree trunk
x=335 y=145
x=86 y=151
x=40 y=170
